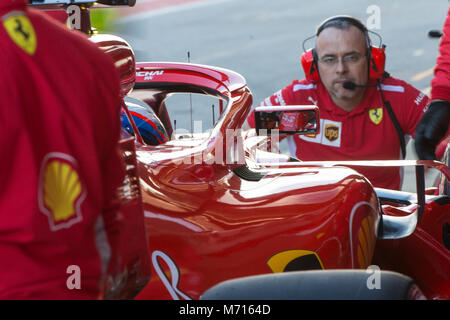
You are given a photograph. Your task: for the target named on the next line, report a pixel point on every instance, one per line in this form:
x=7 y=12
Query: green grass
x=103 y=19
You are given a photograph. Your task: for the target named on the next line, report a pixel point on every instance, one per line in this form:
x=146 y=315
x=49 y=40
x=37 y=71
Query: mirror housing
x=287 y=120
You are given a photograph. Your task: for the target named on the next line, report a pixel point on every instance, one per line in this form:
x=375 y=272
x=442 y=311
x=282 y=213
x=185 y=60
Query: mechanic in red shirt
x=435 y=123
x=60 y=166
x=354 y=120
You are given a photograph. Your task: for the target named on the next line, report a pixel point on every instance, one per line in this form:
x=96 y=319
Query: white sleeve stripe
x=280 y=98
x=392 y=88
x=303 y=87
x=267 y=102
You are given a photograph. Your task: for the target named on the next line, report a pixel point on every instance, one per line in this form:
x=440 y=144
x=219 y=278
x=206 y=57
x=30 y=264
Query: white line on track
x=422 y=75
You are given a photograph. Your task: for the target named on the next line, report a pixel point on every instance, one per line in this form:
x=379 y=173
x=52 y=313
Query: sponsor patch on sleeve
x=21 y=31
x=61 y=191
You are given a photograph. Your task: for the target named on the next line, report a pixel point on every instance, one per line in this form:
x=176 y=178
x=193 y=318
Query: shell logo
x=366 y=242
x=294 y=260
x=61 y=190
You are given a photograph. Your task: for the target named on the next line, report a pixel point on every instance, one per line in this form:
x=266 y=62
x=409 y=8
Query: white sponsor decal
x=303 y=87
x=330 y=134
x=387 y=87
x=148 y=75
x=419 y=98
x=171 y=286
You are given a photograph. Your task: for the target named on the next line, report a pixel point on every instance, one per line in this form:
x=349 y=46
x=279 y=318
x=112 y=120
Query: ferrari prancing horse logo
x=376 y=115
x=21 y=31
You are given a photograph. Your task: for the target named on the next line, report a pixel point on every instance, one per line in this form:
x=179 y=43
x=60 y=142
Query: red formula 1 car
x=215 y=212
x=219 y=206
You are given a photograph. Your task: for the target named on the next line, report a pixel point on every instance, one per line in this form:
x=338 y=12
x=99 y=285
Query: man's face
x=342 y=57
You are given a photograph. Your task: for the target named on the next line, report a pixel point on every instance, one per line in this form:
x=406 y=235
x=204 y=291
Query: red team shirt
x=59 y=165
x=440 y=85
x=365 y=133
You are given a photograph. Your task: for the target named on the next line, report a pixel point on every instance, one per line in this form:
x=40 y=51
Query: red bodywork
x=213 y=215
x=422 y=255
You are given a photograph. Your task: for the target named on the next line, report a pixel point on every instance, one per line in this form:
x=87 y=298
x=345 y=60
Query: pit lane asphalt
x=262 y=39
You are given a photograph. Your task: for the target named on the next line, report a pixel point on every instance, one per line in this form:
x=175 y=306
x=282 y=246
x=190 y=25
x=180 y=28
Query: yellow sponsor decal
x=376 y=115
x=280 y=262
x=320 y=235
x=366 y=242
x=62 y=187
x=61 y=191
x=21 y=31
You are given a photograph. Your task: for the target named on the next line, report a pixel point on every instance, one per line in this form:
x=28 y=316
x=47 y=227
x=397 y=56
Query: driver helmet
x=150 y=127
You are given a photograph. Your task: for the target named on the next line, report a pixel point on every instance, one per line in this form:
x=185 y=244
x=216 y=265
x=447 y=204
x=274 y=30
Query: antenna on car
x=190 y=96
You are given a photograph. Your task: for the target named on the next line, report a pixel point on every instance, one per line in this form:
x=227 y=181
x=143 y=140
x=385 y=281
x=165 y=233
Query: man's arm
x=435 y=122
x=440 y=85
x=432 y=129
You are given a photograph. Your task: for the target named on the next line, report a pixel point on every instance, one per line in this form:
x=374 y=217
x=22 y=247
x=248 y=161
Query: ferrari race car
x=226 y=217
x=219 y=206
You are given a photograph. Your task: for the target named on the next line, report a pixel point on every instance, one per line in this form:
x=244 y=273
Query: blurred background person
x=365 y=113
x=432 y=134
x=60 y=164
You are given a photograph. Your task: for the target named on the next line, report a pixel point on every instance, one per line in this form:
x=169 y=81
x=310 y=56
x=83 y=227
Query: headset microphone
x=352 y=86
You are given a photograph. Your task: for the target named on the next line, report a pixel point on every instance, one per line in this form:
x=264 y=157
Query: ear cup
x=309 y=64
x=377 y=61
